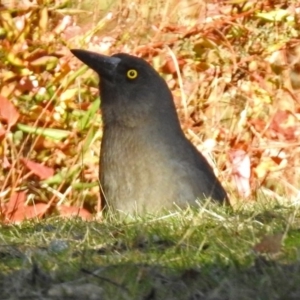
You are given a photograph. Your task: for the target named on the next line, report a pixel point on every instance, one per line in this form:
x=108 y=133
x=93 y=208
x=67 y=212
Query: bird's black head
x=131 y=90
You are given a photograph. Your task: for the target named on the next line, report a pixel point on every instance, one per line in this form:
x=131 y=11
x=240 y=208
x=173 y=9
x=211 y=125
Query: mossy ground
x=214 y=253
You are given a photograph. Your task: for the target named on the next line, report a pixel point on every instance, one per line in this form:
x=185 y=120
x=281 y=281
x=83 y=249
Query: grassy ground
x=233 y=68
x=210 y=253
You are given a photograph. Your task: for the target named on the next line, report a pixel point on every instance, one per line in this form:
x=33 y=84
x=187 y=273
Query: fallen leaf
x=73 y=211
x=270 y=244
x=241 y=169
x=28 y=212
x=16 y=210
x=5 y=163
x=8 y=112
x=16 y=200
x=43 y=172
x=170 y=68
x=2 y=133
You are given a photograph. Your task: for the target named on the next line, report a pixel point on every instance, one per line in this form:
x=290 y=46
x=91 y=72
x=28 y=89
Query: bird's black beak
x=102 y=64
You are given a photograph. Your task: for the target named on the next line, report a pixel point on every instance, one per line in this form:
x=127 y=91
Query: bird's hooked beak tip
x=102 y=64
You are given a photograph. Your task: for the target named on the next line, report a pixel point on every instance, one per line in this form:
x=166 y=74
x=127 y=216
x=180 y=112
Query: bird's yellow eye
x=132 y=74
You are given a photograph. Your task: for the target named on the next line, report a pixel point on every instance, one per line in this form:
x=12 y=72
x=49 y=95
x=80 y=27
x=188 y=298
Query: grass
x=210 y=253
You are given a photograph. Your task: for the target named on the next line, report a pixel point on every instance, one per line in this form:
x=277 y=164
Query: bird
x=147 y=164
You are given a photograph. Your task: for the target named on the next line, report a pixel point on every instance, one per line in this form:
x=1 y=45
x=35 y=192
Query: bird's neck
x=112 y=119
